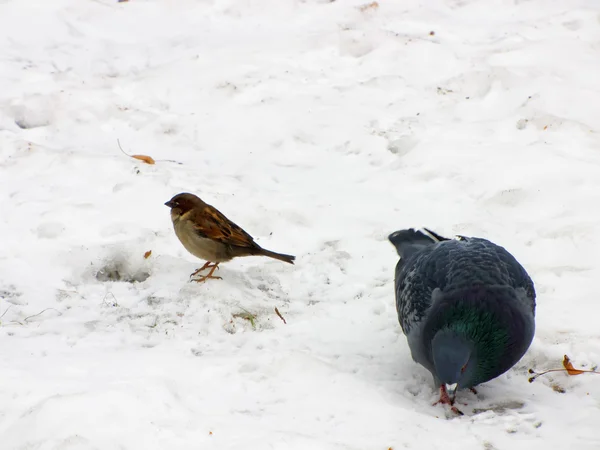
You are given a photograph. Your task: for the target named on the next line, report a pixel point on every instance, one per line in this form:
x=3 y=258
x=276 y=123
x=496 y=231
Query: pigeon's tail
x=408 y=242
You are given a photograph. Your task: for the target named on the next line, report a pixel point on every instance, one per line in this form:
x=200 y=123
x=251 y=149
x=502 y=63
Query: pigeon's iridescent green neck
x=478 y=333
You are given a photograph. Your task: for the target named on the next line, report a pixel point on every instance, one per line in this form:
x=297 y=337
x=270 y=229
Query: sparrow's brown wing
x=212 y=224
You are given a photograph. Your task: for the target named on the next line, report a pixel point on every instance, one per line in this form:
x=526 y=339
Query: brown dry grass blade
x=280 y=316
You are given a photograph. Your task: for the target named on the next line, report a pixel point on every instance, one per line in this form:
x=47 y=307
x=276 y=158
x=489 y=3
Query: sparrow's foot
x=208 y=265
x=203 y=278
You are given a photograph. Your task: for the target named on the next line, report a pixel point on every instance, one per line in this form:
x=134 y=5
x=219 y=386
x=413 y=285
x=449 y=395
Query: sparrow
x=207 y=234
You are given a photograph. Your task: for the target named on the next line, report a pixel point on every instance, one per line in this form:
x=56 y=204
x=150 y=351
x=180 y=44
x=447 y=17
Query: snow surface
x=319 y=127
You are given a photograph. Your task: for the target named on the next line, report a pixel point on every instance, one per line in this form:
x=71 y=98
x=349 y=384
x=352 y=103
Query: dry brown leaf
x=546 y=127
x=144 y=158
x=569 y=366
x=147 y=254
x=372 y=5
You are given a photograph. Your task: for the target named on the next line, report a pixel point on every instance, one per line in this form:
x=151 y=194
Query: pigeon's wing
x=418 y=285
x=479 y=261
x=423 y=255
x=416 y=280
x=518 y=277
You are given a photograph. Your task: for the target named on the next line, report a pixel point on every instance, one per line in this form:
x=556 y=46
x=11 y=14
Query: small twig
x=539 y=374
x=42 y=312
x=280 y=316
x=6 y=311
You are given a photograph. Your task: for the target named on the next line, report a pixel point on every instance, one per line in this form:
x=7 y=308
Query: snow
x=320 y=128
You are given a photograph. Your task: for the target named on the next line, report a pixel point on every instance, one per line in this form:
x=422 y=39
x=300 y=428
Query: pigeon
x=466 y=306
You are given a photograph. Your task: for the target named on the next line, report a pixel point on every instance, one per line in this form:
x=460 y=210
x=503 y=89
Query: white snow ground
x=320 y=129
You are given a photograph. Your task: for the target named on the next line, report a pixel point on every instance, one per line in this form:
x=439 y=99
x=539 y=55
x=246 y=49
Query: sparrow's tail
x=280 y=256
x=408 y=242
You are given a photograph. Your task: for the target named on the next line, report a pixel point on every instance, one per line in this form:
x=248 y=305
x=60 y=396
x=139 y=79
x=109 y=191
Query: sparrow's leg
x=205 y=266
x=473 y=390
x=203 y=278
x=445 y=400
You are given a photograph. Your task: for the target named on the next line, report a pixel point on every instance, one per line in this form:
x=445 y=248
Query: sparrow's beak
x=451 y=390
x=170 y=204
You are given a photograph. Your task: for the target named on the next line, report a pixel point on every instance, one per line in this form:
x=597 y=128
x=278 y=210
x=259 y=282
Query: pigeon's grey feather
x=466 y=306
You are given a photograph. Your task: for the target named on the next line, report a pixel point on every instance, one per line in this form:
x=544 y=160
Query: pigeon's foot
x=446 y=400
x=203 y=278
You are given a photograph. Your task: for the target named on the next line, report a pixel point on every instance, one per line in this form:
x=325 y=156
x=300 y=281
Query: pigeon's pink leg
x=445 y=400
